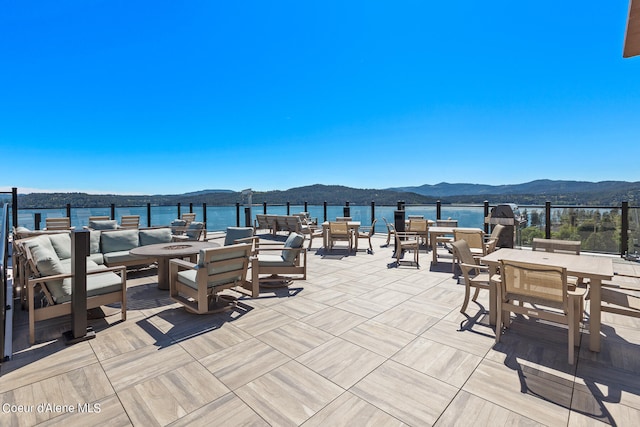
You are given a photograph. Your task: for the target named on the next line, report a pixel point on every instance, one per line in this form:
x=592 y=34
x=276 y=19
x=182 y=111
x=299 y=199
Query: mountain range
x=605 y=193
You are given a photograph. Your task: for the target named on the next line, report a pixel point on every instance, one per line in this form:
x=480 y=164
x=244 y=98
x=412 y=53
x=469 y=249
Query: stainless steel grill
x=509 y=215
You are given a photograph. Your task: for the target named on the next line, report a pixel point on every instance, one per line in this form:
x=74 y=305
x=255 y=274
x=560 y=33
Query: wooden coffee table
x=166 y=251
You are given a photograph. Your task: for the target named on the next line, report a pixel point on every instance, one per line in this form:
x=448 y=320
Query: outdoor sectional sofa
x=47 y=264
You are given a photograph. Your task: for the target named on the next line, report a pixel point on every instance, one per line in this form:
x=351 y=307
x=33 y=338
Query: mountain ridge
x=604 y=193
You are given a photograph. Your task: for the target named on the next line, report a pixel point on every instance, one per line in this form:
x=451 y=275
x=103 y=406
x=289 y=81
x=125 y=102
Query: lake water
x=221 y=217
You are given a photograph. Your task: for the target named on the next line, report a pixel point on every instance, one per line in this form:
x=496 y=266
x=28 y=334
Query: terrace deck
x=357 y=343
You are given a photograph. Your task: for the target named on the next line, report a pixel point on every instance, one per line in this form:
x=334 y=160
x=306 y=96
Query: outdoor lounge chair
x=194 y=231
x=541 y=291
x=277 y=259
x=236 y=235
x=198 y=286
x=52 y=277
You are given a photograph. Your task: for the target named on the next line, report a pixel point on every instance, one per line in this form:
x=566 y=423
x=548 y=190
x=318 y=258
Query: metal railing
x=608 y=229
x=6 y=288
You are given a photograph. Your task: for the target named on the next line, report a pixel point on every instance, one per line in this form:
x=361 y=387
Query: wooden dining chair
x=340 y=231
x=541 y=291
x=475 y=275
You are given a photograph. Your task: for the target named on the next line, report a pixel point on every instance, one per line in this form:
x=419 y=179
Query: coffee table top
x=172 y=249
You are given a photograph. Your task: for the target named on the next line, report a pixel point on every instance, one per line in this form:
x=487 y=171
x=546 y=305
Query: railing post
x=325 y=210
x=148 y=214
x=190 y=207
x=346 y=211
x=373 y=211
x=237 y=214
x=113 y=211
x=547 y=220
x=438 y=209
x=204 y=218
x=37 y=219
x=264 y=208
x=179 y=211
x=14 y=203
x=486 y=214
x=69 y=211
x=306 y=207
x=288 y=208
x=624 y=232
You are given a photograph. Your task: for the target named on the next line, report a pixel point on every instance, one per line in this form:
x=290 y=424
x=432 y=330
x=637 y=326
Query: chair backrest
x=344 y=218
x=463 y=252
x=294 y=241
x=338 y=228
x=223 y=265
x=410 y=217
x=418 y=225
x=99 y=218
x=495 y=233
x=390 y=227
x=474 y=237
x=446 y=222
x=130 y=221
x=372 y=230
x=195 y=230
x=178 y=226
x=235 y=233
x=63 y=223
x=555 y=245
x=534 y=282
x=189 y=217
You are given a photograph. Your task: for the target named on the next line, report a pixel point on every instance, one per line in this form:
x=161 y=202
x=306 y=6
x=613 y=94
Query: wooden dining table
x=594 y=268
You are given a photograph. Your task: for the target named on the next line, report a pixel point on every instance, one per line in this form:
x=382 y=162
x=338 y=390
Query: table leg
x=163 y=273
x=594 y=315
x=493 y=296
x=355 y=237
x=434 y=249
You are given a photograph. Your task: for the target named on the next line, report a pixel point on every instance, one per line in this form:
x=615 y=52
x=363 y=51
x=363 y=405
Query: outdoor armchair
x=198 y=286
x=277 y=259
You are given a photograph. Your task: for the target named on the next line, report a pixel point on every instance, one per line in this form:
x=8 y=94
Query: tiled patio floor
x=358 y=343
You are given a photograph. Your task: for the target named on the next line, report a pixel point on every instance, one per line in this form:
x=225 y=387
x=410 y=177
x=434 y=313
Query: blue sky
x=166 y=97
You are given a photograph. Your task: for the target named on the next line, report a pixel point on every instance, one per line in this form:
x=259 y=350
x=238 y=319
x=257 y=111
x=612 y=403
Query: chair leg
x=475 y=295
x=572 y=329
x=467 y=291
x=499 y=315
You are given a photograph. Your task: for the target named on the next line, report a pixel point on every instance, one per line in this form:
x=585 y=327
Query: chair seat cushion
x=114 y=258
x=97 y=284
x=271 y=260
x=189 y=278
